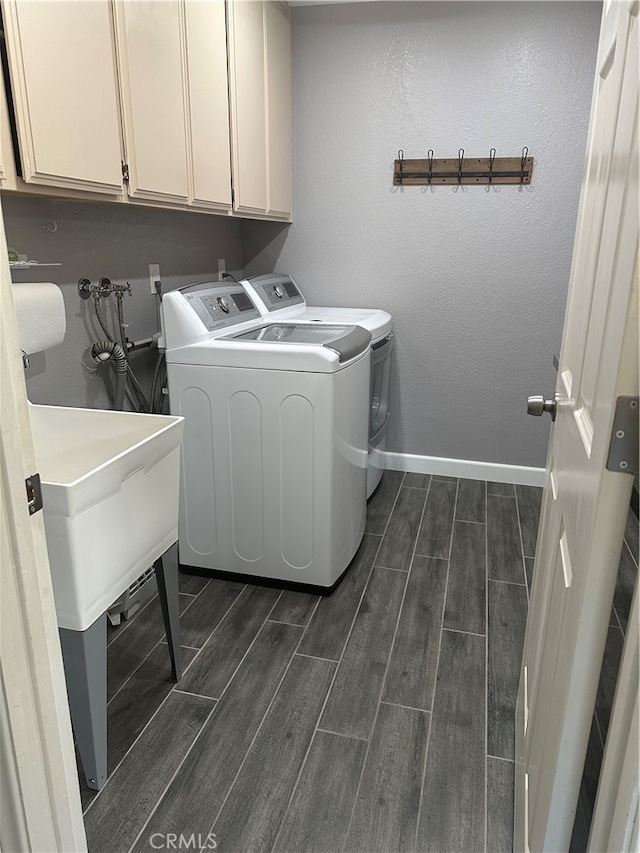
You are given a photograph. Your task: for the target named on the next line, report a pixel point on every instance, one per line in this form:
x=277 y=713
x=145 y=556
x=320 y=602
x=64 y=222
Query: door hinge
x=34 y=493
x=125 y=172
x=623 y=449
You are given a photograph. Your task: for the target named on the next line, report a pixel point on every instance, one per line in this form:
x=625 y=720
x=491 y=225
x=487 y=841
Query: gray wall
x=476 y=280
x=94 y=240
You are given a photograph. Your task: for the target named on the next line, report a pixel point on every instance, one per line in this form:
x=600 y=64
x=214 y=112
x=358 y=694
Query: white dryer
x=275 y=437
x=278 y=296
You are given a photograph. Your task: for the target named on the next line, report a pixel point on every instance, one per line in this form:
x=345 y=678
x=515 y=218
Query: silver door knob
x=537 y=405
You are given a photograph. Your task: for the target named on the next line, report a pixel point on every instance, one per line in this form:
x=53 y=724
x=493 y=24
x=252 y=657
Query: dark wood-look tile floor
x=355 y=722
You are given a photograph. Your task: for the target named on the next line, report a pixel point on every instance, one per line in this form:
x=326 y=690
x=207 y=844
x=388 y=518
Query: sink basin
x=110 y=484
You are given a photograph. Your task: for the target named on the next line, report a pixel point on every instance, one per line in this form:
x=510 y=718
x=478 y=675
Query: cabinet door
x=279 y=108
x=64 y=85
x=152 y=65
x=260 y=85
x=210 y=156
x=247 y=61
x=7 y=164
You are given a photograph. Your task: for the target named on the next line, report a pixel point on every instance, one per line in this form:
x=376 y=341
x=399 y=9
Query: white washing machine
x=275 y=437
x=278 y=296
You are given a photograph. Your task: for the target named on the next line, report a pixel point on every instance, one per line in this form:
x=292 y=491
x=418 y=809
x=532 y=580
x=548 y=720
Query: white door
x=65 y=93
x=39 y=793
x=585 y=504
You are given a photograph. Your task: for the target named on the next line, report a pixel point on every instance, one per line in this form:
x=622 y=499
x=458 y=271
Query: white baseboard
x=466 y=468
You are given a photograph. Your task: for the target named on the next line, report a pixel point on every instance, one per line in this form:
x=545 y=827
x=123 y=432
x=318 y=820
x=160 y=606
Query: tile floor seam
x=509 y=583
x=468 y=521
x=314 y=657
x=182 y=645
x=435 y=683
x=258 y=730
x=631 y=554
x=274 y=605
x=173 y=776
x=524 y=564
x=197 y=695
x=340 y=734
x=220 y=621
x=131 y=746
x=133 y=672
x=390 y=568
x=384 y=680
x=282 y=622
x=247 y=649
x=500 y=758
x=135 y=740
x=129 y=622
x=408 y=707
x=460 y=631
x=380 y=694
x=349 y=632
x=303 y=763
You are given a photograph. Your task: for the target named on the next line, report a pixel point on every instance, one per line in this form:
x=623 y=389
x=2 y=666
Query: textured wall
x=94 y=240
x=476 y=280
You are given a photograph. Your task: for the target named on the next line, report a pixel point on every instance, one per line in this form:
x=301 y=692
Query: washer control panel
x=220 y=304
x=276 y=291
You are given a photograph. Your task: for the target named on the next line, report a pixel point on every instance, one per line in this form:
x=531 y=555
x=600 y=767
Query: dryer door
x=380 y=372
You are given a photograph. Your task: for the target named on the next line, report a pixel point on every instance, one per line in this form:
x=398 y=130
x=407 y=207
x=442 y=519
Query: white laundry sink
x=110 y=483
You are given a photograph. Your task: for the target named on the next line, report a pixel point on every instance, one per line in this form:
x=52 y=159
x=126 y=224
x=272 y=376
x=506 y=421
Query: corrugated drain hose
x=142 y=400
x=105 y=350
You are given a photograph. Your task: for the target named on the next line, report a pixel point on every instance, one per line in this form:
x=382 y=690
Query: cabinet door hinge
x=623 y=449
x=34 y=493
x=125 y=172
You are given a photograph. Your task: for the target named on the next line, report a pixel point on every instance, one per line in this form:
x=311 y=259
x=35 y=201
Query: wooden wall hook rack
x=463 y=170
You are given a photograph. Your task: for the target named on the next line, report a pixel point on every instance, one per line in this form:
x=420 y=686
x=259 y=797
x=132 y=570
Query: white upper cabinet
x=259 y=43
x=64 y=85
x=151 y=59
x=168 y=102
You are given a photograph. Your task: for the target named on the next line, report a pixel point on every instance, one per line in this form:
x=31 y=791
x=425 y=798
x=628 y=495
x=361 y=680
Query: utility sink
x=110 y=485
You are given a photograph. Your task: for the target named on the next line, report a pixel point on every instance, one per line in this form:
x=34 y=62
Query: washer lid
x=374 y=320
x=347 y=341
x=302 y=347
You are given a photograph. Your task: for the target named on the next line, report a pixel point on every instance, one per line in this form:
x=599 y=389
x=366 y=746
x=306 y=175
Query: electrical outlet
x=154 y=275
x=221 y=269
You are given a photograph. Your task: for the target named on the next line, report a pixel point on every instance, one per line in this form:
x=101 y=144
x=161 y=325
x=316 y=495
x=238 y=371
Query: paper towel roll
x=40 y=312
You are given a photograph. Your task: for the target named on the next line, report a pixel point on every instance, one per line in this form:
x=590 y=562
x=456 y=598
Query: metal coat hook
x=460 y=162
x=492 y=157
x=469 y=171
x=523 y=162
